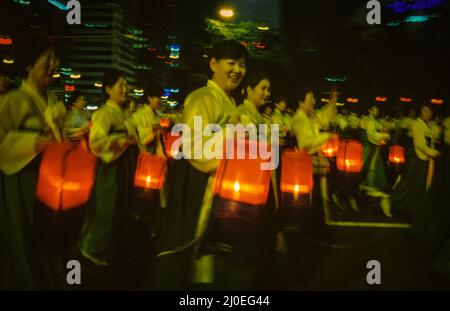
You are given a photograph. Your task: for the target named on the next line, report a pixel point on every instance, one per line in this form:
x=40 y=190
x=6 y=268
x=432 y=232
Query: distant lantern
x=164 y=122
x=296 y=172
x=349 y=156
x=66 y=175
x=150 y=171
x=330 y=148
x=396 y=154
x=243 y=180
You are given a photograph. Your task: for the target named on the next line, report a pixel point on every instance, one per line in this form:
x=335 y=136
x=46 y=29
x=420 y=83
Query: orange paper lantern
x=349 y=156
x=296 y=172
x=243 y=180
x=172 y=145
x=66 y=175
x=150 y=171
x=397 y=154
x=164 y=122
x=329 y=149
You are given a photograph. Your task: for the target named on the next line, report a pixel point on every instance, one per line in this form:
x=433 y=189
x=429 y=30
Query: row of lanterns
x=67 y=171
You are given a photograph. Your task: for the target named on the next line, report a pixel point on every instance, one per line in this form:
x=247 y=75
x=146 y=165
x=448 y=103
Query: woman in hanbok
x=256 y=91
x=104 y=238
x=30 y=118
x=409 y=195
x=306 y=126
x=375 y=181
x=77 y=120
x=179 y=264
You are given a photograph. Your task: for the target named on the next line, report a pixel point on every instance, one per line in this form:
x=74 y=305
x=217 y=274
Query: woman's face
x=228 y=73
x=260 y=94
x=118 y=92
x=308 y=104
x=41 y=72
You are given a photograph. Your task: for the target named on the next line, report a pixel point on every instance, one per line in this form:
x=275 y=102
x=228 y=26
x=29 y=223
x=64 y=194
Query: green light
x=96 y=25
x=417 y=18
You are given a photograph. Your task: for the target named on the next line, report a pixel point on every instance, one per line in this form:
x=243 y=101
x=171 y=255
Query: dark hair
x=300 y=93
x=110 y=78
x=253 y=80
x=152 y=88
x=29 y=46
x=227 y=49
x=75 y=96
x=230 y=49
x=280 y=99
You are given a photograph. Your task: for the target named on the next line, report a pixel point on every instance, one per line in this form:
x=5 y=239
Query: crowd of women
x=109 y=240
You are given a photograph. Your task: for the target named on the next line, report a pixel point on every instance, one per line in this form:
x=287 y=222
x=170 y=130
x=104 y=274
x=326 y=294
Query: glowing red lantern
x=296 y=172
x=150 y=171
x=349 y=156
x=66 y=175
x=164 y=122
x=172 y=144
x=243 y=180
x=330 y=148
x=397 y=154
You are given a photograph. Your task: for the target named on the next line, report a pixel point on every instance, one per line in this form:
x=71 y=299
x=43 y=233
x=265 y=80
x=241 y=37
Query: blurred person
x=30 y=119
x=104 y=238
x=179 y=264
x=375 y=181
x=409 y=194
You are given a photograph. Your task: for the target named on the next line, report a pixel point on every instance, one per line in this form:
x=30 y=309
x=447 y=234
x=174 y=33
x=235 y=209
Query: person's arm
x=143 y=121
x=306 y=139
x=103 y=144
x=420 y=141
x=373 y=134
x=205 y=107
x=17 y=146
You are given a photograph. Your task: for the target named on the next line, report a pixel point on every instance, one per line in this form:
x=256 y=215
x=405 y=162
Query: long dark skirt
x=433 y=225
x=105 y=236
x=178 y=227
x=410 y=194
x=29 y=256
x=374 y=170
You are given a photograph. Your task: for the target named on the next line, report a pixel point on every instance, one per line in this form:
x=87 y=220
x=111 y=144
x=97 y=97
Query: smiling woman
x=187 y=210
x=28 y=256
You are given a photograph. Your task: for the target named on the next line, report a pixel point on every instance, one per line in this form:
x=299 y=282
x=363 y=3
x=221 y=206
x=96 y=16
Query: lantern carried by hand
x=349 y=156
x=330 y=148
x=296 y=172
x=396 y=154
x=66 y=175
x=243 y=180
x=172 y=143
x=150 y=171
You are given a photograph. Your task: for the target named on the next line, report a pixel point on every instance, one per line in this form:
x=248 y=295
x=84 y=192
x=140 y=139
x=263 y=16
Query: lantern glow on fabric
x=66 y=175
x=329 y=149
x=397 y=154
x=150 y=171
x=243 y=180
x=349 y=156
x=296 y=172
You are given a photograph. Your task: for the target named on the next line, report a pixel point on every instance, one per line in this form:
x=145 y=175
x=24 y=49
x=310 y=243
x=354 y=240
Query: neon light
x=75 y=76
x=380 y=99
x=97 y=84
x=418 y=5
x=435 y=101
x=405 y=99
x=59 y=5
x=417 y=18
x=8 y=61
